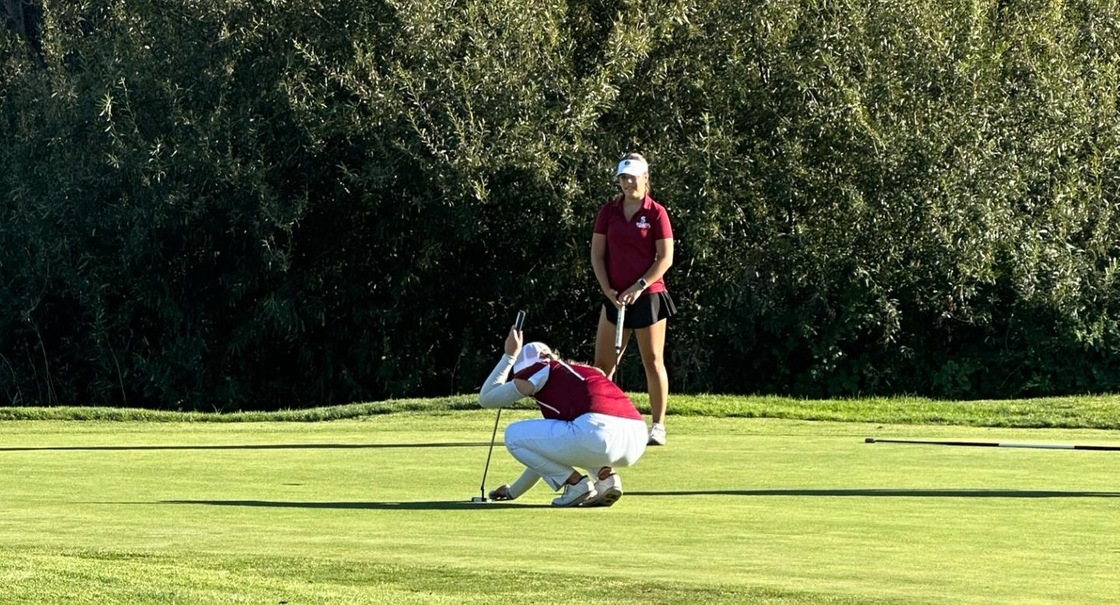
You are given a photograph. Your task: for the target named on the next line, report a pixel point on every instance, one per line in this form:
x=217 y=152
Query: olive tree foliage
x=233 y=203
x=896 y=196
x=147 y=228
x=229 y=204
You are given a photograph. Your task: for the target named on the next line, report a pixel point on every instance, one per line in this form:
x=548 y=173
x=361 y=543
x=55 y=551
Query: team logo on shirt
x=643 y=223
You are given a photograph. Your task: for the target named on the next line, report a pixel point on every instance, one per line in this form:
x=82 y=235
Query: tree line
x=233 y=204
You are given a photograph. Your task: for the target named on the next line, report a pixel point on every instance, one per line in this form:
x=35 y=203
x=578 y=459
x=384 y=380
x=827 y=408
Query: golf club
x=482 y=488
x=618 y=339
x=1039 y=446
x=517 y=325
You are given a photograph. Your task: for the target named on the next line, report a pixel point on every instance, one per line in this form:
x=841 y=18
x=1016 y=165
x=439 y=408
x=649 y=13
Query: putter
x=517 y=324
x=618 y=339
x=485 y=469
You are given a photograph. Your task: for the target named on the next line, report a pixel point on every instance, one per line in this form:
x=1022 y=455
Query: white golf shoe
x=657 y=434
x=608 y=491
x=576 y=494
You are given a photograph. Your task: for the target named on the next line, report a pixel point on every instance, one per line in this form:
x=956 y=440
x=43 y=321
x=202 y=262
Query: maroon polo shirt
x=575 y=389
x=632 y=244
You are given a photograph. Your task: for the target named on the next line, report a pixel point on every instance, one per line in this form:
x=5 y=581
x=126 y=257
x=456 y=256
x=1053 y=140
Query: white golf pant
x=554 y=448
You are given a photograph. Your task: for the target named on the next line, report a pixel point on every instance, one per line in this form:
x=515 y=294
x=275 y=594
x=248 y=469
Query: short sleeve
x=602 y=219
x=662 y=228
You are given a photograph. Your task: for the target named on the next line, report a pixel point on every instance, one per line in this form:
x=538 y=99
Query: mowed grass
x=375 y=510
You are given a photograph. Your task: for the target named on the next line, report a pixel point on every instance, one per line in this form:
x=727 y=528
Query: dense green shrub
x=240 y=204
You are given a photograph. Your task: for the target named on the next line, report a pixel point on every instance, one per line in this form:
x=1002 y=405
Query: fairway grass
x=375 y=510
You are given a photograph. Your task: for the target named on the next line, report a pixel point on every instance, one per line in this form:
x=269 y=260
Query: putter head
x=479 y=500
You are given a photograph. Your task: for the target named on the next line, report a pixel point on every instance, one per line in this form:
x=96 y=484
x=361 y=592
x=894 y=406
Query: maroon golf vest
x=576 y=389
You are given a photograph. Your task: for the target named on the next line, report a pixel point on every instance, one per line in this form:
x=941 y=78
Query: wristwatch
x=643 y=283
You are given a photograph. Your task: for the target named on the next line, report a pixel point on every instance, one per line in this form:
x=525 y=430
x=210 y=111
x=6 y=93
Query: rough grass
x=1100 y=411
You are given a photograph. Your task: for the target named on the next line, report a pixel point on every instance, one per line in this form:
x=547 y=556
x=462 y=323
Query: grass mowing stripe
x=131 y=577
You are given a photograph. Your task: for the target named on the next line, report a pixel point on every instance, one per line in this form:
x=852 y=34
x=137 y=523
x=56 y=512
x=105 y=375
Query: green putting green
x=376 y=510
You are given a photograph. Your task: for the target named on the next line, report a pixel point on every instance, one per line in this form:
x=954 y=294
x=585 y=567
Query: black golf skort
x=644 y=312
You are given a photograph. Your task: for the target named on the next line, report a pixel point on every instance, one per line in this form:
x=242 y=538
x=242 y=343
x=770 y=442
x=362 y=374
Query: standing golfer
x=631 y=250
x=588 y=423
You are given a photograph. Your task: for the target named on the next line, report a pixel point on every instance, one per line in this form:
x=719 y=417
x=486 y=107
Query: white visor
x=530 y=354
x=633 y=167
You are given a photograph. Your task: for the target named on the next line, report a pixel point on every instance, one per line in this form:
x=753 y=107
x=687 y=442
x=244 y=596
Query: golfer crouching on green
x=588 y=423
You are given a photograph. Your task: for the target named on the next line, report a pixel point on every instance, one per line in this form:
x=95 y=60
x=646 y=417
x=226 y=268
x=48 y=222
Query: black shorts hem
x=644 y=312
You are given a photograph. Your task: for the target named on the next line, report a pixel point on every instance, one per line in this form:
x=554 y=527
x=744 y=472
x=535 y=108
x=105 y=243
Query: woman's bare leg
x=651 y=343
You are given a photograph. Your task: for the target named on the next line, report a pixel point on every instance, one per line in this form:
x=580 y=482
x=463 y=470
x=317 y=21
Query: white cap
x=530 y=354
x=633 y=167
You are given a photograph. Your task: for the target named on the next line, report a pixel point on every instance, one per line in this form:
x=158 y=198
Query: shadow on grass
x=412 y=505
x=260 y=446
x=888 y=493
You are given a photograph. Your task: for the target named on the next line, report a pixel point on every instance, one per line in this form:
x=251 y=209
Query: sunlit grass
x=375 y=510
